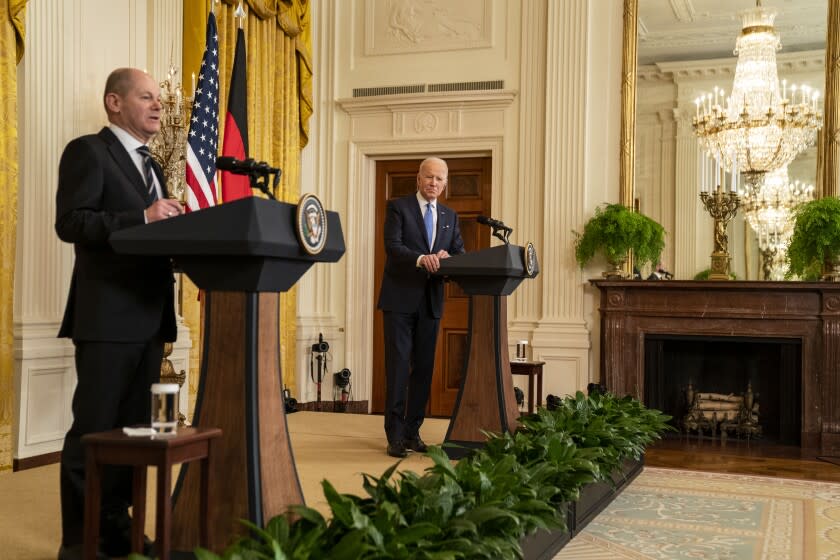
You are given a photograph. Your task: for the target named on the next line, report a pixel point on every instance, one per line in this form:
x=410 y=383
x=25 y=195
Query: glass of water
x=165 y=408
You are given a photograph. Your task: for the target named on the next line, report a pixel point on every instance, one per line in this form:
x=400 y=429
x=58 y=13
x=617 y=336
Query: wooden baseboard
x=36 y=461
x=352 y=407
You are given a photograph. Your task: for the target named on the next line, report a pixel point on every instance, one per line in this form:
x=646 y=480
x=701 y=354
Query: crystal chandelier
x=758 y=128
x=769 y=211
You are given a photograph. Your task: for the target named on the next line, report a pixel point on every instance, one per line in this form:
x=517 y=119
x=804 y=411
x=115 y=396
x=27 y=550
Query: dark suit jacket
x=403 y=283
x=117 y=298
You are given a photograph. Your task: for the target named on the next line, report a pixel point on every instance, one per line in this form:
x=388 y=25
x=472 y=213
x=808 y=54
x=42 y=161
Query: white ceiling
x=671 y=30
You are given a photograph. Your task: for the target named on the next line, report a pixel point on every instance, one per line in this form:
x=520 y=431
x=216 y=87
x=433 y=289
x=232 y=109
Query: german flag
x=235 y=143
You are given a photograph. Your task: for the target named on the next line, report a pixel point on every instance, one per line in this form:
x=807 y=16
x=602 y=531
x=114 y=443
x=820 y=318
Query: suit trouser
x=410 y=340
x=113 y=381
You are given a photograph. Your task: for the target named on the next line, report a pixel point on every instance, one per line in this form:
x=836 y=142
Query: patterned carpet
x=674 y=514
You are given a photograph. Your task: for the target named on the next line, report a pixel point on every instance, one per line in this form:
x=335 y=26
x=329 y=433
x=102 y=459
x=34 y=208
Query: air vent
x=431 y=88
x=387 y=90
x=467 y=86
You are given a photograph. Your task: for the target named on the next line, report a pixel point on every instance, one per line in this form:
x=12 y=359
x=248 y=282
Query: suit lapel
x=124 y=161
x=442 y=216
x=418 y=218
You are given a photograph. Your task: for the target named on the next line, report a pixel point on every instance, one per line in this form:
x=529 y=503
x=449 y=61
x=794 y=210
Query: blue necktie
x=148 y=173
x=428 y=219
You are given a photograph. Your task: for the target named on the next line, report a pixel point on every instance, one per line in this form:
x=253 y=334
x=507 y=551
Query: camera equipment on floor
x=319 y=355
x=289 y=402
x=553 y=402
x=520 y=396
x=341 y=390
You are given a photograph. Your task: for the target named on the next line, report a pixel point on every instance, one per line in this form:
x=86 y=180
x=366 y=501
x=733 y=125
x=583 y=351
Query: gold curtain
x=11 y=52
x=279 y=74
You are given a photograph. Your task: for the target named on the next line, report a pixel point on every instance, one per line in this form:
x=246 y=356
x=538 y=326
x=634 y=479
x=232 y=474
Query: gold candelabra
x=722 y=205
x=169 y=375
x=168 y=147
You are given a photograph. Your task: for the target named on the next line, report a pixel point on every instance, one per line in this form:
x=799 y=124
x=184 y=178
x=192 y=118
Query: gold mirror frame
x=627 y=161
x=829 y=158
x=829 y=164
x=828 y=173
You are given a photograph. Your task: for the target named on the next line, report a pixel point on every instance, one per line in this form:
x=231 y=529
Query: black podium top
x=249 y=244
x=496 y=271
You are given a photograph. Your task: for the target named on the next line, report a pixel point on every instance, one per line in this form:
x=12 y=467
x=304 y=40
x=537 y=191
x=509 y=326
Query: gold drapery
x=279 y=73
x=11 y=52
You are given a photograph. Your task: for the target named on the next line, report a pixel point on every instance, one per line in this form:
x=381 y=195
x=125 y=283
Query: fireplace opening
x=728 y=365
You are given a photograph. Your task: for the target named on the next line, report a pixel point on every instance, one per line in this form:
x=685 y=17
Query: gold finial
x=239 y=14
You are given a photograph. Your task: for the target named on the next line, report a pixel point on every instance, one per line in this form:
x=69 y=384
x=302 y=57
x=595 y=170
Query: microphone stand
x=259 y=180
x=502 y=233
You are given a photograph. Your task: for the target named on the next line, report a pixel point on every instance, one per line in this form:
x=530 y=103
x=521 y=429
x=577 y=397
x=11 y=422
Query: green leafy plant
x=480 y=507
x=705 y=273
x=816 y=236
x=613 y=231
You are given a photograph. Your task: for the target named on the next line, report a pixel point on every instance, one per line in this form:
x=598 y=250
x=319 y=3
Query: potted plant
x=613 y=231
x=815 y=242
x=516 y=493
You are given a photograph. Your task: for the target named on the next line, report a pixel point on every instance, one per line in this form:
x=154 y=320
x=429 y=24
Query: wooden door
x=468 y=193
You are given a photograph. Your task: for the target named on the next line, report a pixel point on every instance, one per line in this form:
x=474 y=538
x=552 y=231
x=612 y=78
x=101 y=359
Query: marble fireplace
x=782 y=336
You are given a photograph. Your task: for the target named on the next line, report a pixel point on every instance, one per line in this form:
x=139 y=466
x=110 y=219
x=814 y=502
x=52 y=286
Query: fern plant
x=613 y=231
x=816 y=236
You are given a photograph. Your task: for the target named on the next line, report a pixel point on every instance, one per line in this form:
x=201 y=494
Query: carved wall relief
x=400 y=26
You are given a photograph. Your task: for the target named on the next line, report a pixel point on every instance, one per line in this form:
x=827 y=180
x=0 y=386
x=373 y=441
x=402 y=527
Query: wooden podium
x=242 y=254
x=486 y=401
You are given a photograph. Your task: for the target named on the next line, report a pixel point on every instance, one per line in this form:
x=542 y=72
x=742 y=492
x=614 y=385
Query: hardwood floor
x=756 y=458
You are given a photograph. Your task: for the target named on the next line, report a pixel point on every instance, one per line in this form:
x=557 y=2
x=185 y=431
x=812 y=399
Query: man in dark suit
x=120 y=309
x=419 y=232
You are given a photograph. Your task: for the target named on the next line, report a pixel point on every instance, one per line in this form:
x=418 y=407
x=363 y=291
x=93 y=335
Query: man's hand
x=163 y=209
x=432 y=262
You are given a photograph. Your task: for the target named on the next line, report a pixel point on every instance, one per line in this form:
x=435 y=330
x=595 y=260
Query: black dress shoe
x=119 y=545
x=116 y=534
x=416 y=444
x=76 y=552
x=397 y=449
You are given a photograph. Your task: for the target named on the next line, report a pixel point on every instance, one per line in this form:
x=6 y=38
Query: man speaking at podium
x=120 y=308
x=418 y=232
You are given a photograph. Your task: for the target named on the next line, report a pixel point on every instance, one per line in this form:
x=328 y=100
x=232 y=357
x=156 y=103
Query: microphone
x=243 y=167
x=500 y=230
x=498 y=224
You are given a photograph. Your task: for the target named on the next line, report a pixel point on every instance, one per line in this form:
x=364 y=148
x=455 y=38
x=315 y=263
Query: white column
x=688 y=208
x=319 y=291
x=582 y=107
x=524 y=306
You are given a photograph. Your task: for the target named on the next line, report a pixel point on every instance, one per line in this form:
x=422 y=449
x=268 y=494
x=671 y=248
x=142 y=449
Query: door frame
x=360 y=233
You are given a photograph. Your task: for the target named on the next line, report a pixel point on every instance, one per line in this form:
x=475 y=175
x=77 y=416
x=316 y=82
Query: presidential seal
x=529 y=255
x=311 y=224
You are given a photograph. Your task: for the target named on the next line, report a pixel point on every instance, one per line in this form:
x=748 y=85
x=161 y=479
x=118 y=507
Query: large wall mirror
x=684 y=49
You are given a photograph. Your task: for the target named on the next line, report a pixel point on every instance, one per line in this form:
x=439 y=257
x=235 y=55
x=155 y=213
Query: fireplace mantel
x=809 y=312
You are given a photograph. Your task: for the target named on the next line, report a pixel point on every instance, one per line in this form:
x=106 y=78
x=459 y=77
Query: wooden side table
x=116 y=448
x=532 y=370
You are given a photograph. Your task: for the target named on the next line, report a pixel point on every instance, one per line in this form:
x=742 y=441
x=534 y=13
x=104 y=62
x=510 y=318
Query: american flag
x=204 y=126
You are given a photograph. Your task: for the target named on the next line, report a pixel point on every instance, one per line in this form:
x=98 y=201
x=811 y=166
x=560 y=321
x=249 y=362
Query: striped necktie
x=148 y=173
